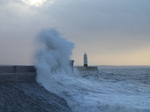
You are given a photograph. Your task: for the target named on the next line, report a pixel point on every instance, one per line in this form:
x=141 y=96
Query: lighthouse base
x=85 y=65
x=87 y=68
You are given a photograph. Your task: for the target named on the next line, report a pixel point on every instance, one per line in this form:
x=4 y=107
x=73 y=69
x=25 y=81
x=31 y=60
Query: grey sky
x=112 y=32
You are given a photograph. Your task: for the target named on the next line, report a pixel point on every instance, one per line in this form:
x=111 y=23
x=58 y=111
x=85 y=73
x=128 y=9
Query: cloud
x=97 y=26
x=129 y=16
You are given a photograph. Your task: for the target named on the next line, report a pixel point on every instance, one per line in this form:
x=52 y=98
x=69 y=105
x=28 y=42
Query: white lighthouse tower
x=85 y=60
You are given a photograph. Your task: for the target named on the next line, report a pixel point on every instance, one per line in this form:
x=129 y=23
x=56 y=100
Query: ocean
x=110 y=89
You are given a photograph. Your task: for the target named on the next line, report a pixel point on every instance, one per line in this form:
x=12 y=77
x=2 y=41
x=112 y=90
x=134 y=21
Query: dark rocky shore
x=29 y=97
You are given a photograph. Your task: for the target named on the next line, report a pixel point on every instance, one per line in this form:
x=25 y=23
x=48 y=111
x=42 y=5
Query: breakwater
x=87 y=68
x=16 y=74
x=19 y=92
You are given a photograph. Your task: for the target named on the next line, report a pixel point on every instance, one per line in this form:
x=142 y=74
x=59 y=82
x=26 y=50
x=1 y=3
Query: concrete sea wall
x=19 y=92
x=17 y=69
x=15 y=74
x=88 y=68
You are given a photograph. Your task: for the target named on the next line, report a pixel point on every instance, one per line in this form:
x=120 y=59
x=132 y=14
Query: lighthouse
x=85 y=66
x=85 y=60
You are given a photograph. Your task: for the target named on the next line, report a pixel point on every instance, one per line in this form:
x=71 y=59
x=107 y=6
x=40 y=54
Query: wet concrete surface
x=29 y=97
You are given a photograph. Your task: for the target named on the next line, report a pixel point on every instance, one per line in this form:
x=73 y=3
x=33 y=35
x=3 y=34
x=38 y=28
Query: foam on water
x=98 y=91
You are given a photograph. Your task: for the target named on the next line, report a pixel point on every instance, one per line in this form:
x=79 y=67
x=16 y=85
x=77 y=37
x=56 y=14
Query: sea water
x=109 y=89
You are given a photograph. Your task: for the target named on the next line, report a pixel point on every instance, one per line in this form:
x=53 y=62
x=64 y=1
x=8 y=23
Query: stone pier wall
x=89 y=68
x=16 y=69
x=15 y=74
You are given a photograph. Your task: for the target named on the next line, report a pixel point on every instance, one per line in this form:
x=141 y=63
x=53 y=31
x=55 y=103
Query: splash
x=54 y=53
x=53 y=57
x=95 y=93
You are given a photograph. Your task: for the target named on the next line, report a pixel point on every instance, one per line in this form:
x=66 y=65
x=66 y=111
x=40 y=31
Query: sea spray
x=55 y=51
x=97 y=94
x=53 y=58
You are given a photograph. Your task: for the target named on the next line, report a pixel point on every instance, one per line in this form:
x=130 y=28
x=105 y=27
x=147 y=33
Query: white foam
x=84 y=95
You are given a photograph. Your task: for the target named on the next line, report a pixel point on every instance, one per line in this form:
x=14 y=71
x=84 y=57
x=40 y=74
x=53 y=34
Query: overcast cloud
x=112 y=32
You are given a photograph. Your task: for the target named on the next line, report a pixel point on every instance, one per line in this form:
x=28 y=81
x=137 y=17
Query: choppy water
x=111 y=89
x=137 y=74
x=106 y=90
